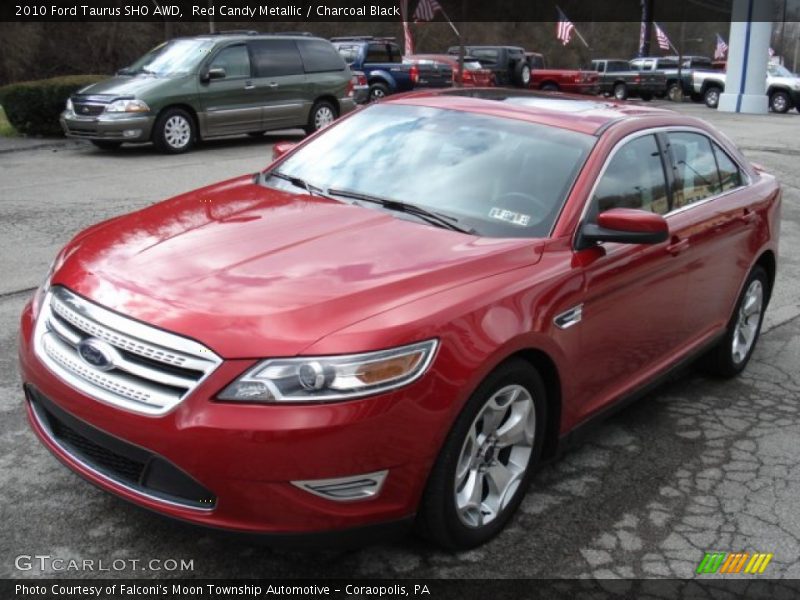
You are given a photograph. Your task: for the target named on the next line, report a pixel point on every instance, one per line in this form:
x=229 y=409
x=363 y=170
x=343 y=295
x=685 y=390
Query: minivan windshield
x=178 y=57
x=493 y=176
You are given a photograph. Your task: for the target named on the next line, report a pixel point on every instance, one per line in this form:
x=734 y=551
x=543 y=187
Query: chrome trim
x=367 y=486
x=45 y=427
x=570 y=317
x=66 y=319
x=652 y=131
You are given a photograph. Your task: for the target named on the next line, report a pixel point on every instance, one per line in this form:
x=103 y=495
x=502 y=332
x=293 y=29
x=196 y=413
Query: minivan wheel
x=621 y=91
x=322 y=114
x=487 y=460
x=731 y=355
x=779 y=102
x=107 y=144
x=174 y=131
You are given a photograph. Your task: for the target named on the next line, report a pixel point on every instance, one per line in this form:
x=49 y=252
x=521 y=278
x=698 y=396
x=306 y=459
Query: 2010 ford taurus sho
x=402 y=316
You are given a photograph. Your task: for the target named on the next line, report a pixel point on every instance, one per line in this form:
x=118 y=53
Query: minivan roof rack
x=236 y=32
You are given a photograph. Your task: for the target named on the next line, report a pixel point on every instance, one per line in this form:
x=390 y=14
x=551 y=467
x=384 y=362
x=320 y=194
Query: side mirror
x=216 y=73
x=125 y=71
x=281 y=148
x=624 y=226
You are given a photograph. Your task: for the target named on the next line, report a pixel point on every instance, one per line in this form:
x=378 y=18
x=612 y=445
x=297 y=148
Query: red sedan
x=474 y=74
x=402 y=316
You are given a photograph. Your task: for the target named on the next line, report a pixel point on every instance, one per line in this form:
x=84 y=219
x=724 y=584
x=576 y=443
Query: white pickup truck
x=783 y=87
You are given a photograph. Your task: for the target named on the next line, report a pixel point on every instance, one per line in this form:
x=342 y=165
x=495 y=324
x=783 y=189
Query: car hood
x=135 y=86
x=251 y=271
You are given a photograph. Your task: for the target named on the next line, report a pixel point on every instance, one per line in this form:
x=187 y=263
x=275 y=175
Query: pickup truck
x=618 y=79
x=783 y=88
x=381 y=61
x=561 y=80
x=509 y=64
x=678 y=81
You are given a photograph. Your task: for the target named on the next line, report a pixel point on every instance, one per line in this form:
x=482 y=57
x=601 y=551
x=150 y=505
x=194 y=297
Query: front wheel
x=780 y=102
x=487 y=460
x=731 y=355
x=711 y=97
x=174 y=131
x=378 y=91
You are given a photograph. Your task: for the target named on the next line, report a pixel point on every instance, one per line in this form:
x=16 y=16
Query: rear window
x=275 y=58
x=378 y=53
x=319 y=56
x=615 y=66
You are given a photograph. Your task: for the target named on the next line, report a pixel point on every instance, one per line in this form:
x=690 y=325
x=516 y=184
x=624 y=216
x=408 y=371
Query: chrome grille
x=152 y=372
x=86 y=109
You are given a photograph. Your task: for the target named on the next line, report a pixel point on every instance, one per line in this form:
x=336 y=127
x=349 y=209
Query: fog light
x=129 y=133
x=346 y=489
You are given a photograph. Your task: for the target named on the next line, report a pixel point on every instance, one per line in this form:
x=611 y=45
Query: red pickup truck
x=564 y=80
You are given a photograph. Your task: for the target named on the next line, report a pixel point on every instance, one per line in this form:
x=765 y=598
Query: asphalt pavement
x=698 y=465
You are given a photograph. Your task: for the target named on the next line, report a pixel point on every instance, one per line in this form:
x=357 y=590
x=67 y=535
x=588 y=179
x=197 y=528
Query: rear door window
x=275 y=58
x=235 y=60
x=378 y=53
x=395 y=53
x=696 y=176
x=634 y=178
x=729 y=173
x=319 y=56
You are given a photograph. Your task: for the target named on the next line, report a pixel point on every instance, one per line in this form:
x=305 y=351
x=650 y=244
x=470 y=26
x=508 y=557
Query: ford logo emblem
x=97 y=353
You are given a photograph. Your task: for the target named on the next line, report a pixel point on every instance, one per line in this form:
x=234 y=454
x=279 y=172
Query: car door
x=281 y=85
x=630 y=320
x=713 y=224
x=229 y=104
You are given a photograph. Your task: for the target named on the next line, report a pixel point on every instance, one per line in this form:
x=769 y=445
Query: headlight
x=329 y=378
x=69 y=106
x=127 y=106
x=41 y=292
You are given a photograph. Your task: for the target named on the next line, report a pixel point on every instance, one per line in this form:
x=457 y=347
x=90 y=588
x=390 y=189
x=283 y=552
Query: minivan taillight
x=349 y=92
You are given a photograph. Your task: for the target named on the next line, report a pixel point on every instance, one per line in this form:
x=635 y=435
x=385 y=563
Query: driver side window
x=234 y=59
x=634 y=179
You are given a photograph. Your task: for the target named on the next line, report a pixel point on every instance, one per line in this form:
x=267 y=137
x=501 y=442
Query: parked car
x=509 y=64
x=678 y=81
x=783 y=88
x=618 y=79
x=200 y=87
x=381 y=61
x=474 y=74
x=561 y=80
x=367 y=335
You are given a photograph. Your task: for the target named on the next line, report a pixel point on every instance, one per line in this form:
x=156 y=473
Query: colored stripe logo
x=734 y=562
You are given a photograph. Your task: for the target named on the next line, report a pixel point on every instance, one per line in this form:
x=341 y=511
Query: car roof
x=577 y=113
x=253 y=36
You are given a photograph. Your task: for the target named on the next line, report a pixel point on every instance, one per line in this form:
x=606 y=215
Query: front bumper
x=243 y=458
x=119 y=127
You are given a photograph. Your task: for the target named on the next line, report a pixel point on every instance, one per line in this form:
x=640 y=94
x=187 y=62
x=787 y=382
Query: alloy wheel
x=323 y=117
x=177 y=131
x=495 y=456
x=748 y=321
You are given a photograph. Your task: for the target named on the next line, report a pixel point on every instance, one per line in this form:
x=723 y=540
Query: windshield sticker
x=509 y=216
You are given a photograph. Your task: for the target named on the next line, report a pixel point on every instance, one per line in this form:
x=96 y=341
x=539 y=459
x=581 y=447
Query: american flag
x=407 y=37
x=564 y=28
x=721 y=49
x=426 y=10
x=663 y=40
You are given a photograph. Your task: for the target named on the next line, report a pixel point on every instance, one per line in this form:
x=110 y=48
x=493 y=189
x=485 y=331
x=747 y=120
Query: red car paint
x=253 y=272
x=471 y=78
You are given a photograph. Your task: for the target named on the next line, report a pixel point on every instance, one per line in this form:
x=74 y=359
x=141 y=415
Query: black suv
x=510 y=64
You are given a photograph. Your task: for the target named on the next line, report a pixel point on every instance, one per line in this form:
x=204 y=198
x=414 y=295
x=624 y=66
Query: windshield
x=780 y=71
x=497 y=177
x=173 y=58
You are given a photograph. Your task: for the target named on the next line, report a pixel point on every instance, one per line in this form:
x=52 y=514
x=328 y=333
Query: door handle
x=677 y=246
x=748 y=217
x=249 y=85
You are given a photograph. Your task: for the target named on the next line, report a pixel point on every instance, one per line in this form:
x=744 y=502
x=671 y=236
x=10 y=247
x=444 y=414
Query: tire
x=322 y=114
x=550 y=87
x=377 y=91
x=522 y=74
x=675 y=92
x=440 y=518
x=780 y=102
x=620 y=91
x=711 y=97
x=731 y=355
x=174 y=131
x=106 y=144
x=646 y=96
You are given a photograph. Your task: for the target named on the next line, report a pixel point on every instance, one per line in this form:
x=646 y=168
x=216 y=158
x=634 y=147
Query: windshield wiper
x=434 y=218
x=298 y=182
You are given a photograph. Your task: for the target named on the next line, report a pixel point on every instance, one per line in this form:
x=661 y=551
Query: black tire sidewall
x=623 y=95
x=158 y=131
x=311 y=127
x=706 y=98
x=378 y=86
x=438 y=509
x=788 y=102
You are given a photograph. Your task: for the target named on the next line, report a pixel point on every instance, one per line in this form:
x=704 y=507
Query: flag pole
x=460 y=48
